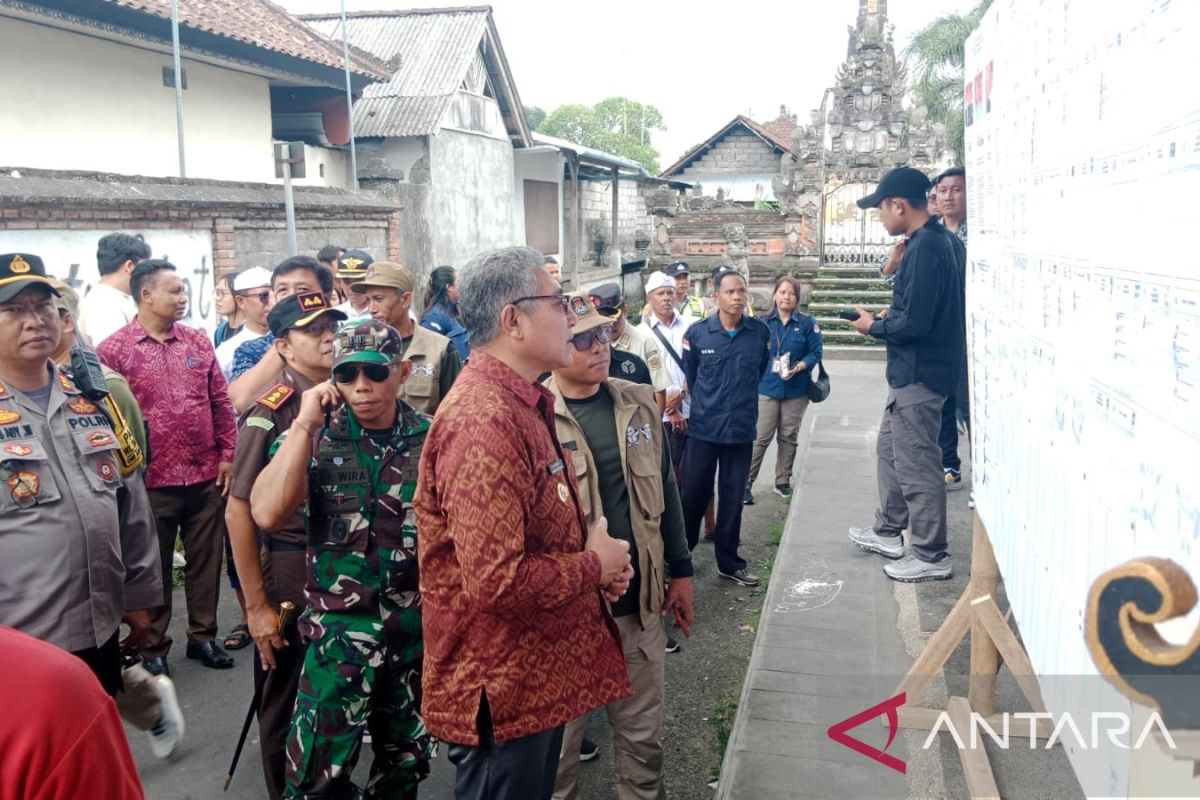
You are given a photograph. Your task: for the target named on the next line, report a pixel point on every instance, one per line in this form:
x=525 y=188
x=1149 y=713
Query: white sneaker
x=872 y=542
x=178 y=561
x=167 y=734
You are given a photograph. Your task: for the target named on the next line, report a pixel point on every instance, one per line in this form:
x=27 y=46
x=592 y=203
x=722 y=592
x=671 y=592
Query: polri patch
x=276 y=396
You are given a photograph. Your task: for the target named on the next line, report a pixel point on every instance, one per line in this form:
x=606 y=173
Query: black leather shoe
x=209 y=654
x=157 y=666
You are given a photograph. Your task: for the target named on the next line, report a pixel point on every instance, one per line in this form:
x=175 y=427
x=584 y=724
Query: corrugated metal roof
x=430 y=52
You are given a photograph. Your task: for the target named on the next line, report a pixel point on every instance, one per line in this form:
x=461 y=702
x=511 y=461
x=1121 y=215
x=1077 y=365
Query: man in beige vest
x=613 y=431
x=388 y=288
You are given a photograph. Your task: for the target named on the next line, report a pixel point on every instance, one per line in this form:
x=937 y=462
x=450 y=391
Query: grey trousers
x=780 y=419
x=636 y=721
x=912 y=489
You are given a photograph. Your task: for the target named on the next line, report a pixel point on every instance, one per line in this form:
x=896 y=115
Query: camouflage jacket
x=362 y=536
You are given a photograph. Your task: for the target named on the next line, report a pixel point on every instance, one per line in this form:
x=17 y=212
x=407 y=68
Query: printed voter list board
x=1083 y=173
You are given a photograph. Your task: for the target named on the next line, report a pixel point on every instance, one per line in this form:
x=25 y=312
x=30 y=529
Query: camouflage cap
x=369 y=341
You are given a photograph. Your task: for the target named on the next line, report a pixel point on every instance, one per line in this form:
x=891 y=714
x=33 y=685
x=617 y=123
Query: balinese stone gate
x=868 y=131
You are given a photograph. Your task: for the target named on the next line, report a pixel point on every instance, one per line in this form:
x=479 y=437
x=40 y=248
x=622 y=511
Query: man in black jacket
x=923 y=330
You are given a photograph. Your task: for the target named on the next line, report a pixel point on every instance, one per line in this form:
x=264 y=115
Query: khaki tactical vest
x=639 y=432
x=423 y=389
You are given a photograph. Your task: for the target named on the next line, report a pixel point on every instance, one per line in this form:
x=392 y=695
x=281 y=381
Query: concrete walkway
x=828 y=645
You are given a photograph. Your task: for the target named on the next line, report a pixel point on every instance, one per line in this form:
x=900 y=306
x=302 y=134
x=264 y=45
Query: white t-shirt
x=103 y=311
x=228 y=347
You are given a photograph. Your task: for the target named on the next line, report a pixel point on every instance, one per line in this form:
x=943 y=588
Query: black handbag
x=818 y=388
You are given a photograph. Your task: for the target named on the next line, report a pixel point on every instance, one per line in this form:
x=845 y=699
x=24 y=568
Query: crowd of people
x=484 y=513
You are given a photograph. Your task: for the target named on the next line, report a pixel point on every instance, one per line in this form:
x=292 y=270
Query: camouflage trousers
x=354 y=680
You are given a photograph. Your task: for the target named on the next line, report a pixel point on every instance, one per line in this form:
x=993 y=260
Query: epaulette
x=276 y=396
x=66 y=381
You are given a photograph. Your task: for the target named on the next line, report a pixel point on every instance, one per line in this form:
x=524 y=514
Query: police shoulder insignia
x=66 y=383
x=276 y=396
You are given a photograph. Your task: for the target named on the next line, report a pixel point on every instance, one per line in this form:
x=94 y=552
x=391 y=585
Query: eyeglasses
x=263 y=297
x=219 y=293
x=584 y=341
x=564 y=302
x=348 y=373
x=318 y=328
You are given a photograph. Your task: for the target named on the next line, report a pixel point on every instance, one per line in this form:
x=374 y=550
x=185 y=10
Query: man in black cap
x=352 y=266
x=923 y=331
x=630 y=339
x=687 y=305
x=77 y=542
x=271 y=563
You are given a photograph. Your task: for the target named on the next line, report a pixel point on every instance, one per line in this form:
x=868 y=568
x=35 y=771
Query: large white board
x=1083 y=173
x=71 y=255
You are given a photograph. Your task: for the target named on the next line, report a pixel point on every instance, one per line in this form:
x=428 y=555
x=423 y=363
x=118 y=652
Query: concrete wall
x=470 y=204
x=78 y=102
x=402 y=165
x=738 y=152
x=596 y=205
x=537 y=164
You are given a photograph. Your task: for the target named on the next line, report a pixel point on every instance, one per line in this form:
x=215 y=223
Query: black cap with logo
x=902 y=182
x=299 y=310
x=19 y=271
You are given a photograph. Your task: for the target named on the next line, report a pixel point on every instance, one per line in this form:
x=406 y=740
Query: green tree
x=936 y=59
x=615 y=125
x=535 y=116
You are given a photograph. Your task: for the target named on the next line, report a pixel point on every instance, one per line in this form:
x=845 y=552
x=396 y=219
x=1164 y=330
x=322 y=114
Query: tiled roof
x=429 y=52
x=780 y=128
x=261 y=24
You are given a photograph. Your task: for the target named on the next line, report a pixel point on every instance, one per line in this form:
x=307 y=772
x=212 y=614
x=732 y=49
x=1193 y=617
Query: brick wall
x=596 y=207
x=738 y=151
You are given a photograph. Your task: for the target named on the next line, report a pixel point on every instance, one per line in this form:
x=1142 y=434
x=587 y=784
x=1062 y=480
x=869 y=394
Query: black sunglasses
x=584 y=341
x=348 y=373
x=263 y=297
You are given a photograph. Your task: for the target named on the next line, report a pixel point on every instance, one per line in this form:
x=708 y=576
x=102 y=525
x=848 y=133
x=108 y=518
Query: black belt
x=274 y=545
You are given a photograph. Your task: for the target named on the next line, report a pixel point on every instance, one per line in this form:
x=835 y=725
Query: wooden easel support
x=991 y=638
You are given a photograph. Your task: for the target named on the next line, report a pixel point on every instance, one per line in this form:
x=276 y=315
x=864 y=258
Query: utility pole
x=349 y=98
x=178 y=86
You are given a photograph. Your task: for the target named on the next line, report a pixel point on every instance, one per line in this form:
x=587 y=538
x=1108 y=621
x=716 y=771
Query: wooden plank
x=981 y=783
x=985 y=658
x=937 y=651
x=986 y=612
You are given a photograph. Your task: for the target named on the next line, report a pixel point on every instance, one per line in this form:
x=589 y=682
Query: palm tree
x=936 y=57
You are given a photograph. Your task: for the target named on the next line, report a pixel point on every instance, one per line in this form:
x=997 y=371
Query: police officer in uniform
x=350 y=457
x=687 y=305
x=271 y=563
x=388 y=288
x=78 y=550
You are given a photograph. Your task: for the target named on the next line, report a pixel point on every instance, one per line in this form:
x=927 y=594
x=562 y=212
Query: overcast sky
x=700 y=64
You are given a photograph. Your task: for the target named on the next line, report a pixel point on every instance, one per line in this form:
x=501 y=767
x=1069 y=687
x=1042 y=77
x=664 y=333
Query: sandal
x=238 y=638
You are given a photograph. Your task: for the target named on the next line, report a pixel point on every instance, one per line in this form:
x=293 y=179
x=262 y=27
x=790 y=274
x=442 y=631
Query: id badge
x=782 y=364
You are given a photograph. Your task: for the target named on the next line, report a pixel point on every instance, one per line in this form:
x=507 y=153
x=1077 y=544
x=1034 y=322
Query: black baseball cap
x=19 y=271
x=298 y=310
x=607 y=298
x=676 y=268
x=903 y=182
x=353 y=264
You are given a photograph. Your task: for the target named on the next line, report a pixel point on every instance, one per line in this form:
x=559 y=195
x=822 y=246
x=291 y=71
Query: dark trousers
x=912 y=489
x=676 y=442
x=948 y=435
x=197 y=513
x=283 y=579
x=105 y=662
x=701 y=461
x=518 y=769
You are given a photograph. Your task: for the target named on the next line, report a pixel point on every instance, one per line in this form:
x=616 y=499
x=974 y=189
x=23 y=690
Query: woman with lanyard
x=783 y=392
x=441 y=310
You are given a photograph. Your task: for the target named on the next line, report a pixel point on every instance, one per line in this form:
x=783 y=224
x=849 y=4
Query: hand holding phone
x=848 y=314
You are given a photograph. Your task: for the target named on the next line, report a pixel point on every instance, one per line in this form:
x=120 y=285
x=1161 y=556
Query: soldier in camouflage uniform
x=354 y=467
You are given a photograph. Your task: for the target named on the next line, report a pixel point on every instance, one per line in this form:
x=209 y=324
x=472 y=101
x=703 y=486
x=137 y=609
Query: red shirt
x=511 y=601
x=60 y=734
x=183 y=396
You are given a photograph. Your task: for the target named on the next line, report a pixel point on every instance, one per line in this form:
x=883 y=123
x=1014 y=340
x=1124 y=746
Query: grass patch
x=720 y=719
